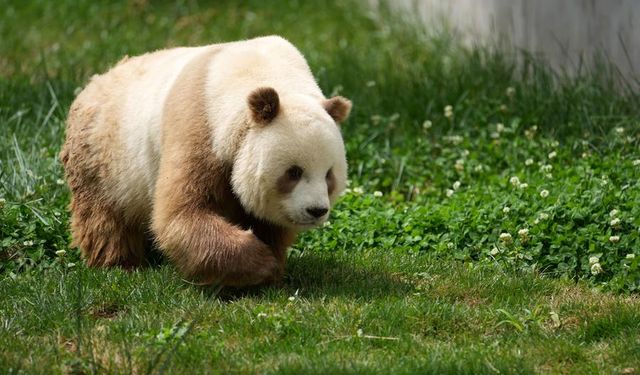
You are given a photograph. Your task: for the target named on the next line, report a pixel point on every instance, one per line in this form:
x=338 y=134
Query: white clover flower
x=61 y=253
x=523 y=185
x=524 y=234
x=456 y=185
x=543 y=216
x=546 y=168
x=454 y=139
x=262 y=315
x=506 y=209
x=585 y=155
x=552 y=155
x=478 y=168
x=494 y=251
x=528 y=162
x=427 y=125
x=619 y=130
x=465 y=152
x=615 y=222
x=71 y=265
x=500 y=127
x=377 y=193
x=459 y=166
x=614 y=213
x=292 y=298
x=358 y=190
x=596 y=269
x=630 y=256
x=593 y=259
x=544 y=193
x=448 y=111
x=636 y=162
x=614 y=239
x=515 y=181
x=506 y=238
x=2 y=202
x=450 y=245
x=60 y=181
x=28 y=243
x=555 y=144
x=510 y=91
x=449 y=193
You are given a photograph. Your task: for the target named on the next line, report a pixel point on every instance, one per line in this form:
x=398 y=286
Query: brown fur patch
x=285 y=184
x=197 y=220
x=331 y=182
x=338 y=108
x=264 y=104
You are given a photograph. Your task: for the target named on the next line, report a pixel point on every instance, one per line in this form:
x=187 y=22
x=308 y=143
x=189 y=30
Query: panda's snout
x=317 y=212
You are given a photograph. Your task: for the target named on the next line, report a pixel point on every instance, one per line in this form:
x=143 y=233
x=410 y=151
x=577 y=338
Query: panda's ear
x=264 y=104
x=338 y=108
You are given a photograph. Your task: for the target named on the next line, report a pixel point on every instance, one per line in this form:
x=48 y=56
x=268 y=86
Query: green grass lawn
x=492 y=223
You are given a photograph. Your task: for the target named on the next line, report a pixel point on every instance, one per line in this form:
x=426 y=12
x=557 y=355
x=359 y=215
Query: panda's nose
x=317 y=212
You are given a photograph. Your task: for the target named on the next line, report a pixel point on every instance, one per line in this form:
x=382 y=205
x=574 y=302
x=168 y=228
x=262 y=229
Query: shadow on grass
x=315 y=276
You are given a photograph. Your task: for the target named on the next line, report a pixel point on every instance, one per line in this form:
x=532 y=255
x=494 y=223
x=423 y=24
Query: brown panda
x=221 y=154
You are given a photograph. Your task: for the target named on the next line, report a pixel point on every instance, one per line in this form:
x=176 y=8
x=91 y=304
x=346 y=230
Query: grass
x=500 y=235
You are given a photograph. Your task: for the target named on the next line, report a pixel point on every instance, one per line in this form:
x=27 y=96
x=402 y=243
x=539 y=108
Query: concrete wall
x=564 y=31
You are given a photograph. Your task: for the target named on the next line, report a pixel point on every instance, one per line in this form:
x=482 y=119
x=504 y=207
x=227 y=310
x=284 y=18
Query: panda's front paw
x=256 y=263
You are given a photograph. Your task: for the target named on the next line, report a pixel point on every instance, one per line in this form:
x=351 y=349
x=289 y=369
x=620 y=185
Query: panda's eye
x=295 y=173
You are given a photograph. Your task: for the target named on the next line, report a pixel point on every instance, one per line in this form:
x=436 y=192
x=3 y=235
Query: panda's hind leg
x=105 y=238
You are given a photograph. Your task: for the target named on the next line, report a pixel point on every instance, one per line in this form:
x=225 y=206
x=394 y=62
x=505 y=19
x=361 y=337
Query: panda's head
x=291 y=165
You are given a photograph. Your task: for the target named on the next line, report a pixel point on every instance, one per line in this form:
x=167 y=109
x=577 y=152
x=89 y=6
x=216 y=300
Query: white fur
x=304 y=135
